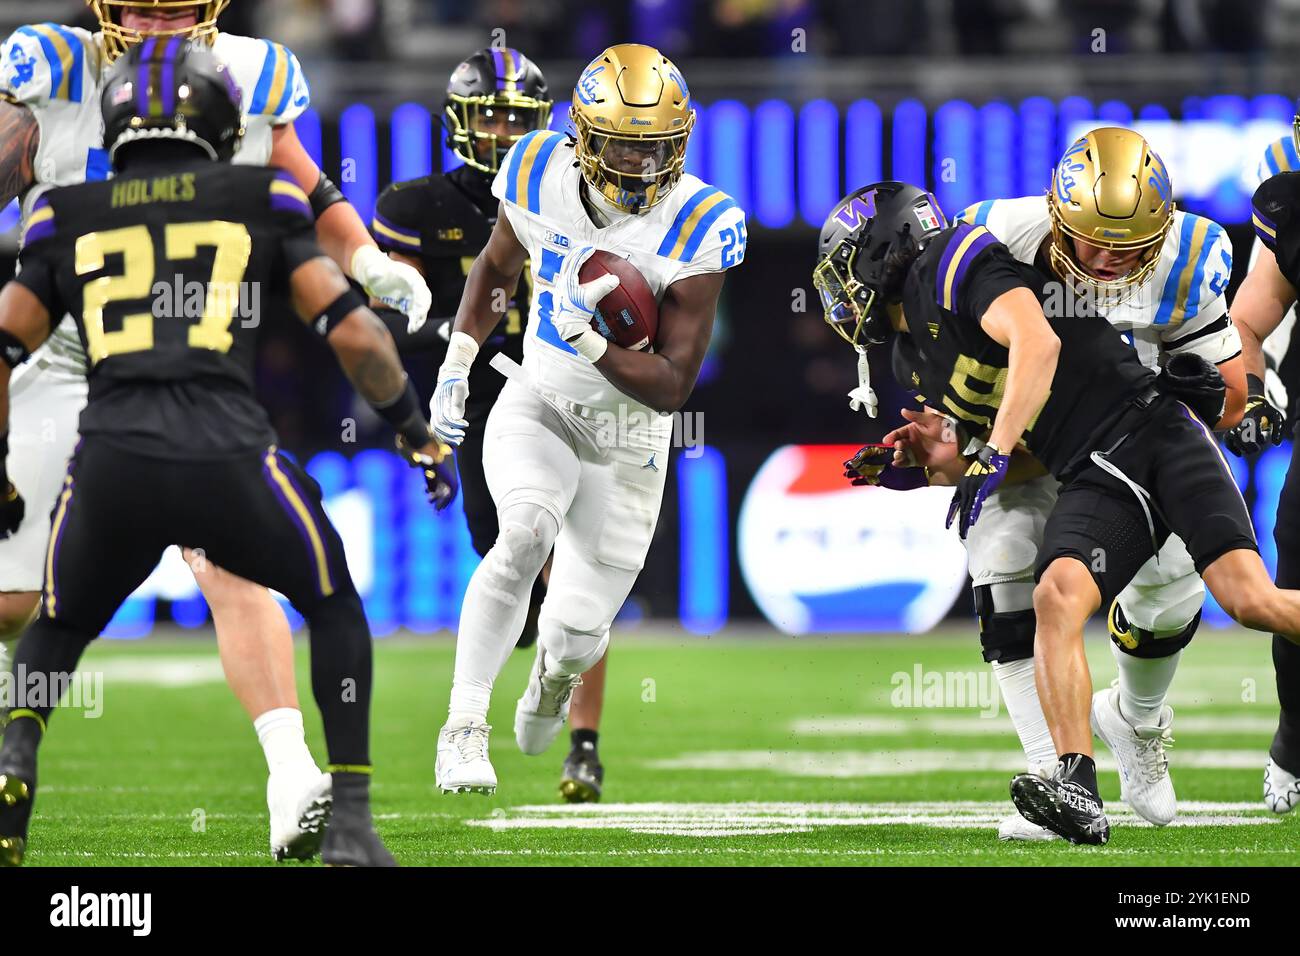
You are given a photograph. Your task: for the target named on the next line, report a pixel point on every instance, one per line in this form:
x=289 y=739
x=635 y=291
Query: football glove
x=447 y=407
x=1261 y=425
x=986 y=472
x=874 y=465
x=1191 y=379
x=576 y=303
x=12 y=511
x=440 y=477
x=393 y=283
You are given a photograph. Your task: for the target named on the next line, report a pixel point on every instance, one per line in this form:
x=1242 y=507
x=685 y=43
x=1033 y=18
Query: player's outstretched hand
x=877 y=465
x=395 y=284
x=1261 y=425
x=928 y=440
x=438 y=462
x=986 y=472
x=12 y=511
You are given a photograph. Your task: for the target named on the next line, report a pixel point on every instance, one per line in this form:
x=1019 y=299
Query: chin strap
x=863 y=398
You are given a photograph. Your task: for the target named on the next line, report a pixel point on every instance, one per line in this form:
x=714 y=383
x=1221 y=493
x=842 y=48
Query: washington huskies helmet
x=118 y=39
x=633 y=116
x=490 y=82
x=170 y=89
x=866 y=245
x=1111 y=190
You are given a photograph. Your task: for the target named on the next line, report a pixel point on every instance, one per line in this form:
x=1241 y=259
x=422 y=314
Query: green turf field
x=751 y=750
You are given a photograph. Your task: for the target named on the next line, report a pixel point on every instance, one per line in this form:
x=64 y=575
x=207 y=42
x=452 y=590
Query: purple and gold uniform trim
x=40 y=224
x=295 y=506
x=287 y=196
x=391 y=235
x=964 y=247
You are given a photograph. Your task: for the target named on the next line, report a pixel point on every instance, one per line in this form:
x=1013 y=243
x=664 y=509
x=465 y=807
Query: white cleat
x=541 y=712
x=1281 y=789
x=299 y=801
x=1016 y=827
x=1144 y=782
x=463 y=765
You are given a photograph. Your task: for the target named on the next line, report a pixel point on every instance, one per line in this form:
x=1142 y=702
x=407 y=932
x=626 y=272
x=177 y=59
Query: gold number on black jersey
x=979 y=386
x=233 y=247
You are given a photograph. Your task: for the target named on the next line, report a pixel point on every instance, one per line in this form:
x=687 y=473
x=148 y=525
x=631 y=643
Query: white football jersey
x=1181 y=308
x=57 y=72
x=695 y=230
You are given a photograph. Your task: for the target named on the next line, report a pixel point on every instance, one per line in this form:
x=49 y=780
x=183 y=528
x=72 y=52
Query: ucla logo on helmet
x=1160 y=180
x=587 y=85
x=677 y=78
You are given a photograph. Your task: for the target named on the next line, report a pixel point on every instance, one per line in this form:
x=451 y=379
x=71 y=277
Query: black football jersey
x=960 y=370
x=1275 y=214
x=167 y=273
x=445 y=221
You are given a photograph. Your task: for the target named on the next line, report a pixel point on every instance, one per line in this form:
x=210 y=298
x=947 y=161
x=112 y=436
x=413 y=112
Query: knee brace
x=1006 y=630
x=575 y=633
x=1139 y=642
x=522 y=546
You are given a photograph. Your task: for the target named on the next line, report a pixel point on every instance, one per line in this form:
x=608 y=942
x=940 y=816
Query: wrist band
x=404 y=415
x=325 y=194
x=12 y=350
x=462 y=350
x=339 y=310
x=591 y=345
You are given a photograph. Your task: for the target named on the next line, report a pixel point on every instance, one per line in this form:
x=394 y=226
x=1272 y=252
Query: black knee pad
x=1005 y=636
x=1137 y=642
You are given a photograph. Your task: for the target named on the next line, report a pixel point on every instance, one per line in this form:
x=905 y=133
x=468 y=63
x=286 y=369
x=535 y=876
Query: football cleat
x=299 y=804
x=351 y=840
x=1017 y=828
x=463 y=765
x=1062 y=806
x=16 y=797
x=541 y=712
x=583 y=774
x=1281 y=789
x=1144 y=782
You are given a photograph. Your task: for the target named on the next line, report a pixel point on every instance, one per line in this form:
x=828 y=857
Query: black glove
x=12 y=511
x=1191 y=379
x=440 y=476
x=874 y=465
x=1261 y=424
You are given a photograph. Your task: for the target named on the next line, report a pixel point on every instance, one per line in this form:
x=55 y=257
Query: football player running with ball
x=51 y=134
x=174 y=447
x=438 y=224
x=558 y=481
x=968 y=329
x=1108 y=227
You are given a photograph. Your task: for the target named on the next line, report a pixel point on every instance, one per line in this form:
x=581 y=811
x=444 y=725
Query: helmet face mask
x=632 y=117
x=847 y=304
x=494 y=87
x=118 y=38
x=1110 y=191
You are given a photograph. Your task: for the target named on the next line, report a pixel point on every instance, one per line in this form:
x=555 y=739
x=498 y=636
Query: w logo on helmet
x=857 y=209
x=587 y=88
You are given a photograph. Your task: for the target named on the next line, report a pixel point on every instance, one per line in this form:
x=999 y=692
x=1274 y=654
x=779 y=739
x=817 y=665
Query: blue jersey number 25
x=733 y=244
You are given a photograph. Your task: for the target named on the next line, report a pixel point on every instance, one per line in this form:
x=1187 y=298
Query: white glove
x=393 y=283
x=447 y=407
x=863 y=398
x=576 y=302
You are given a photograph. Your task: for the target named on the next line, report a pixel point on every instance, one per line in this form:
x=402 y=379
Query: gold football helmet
x=632 y=113
x=117 y=37
x=1110 y=190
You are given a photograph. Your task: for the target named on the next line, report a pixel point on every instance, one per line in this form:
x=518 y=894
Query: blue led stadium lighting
x=997 y=154
x=1228 y=202
x=774 y=163
x=908 y=161
x=819 y=160
x=1038 y=152
x=1073 y=109
x=307 y=126
x=1115 y=113
x=359 y=159
x=704 y=540
x=863 y=146
x=412 y=130
x=729 y=123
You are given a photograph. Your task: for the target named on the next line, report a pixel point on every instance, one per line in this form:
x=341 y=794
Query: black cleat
x=583 y=774
x=16 y=797
x=353 y=843
x=1059 y=804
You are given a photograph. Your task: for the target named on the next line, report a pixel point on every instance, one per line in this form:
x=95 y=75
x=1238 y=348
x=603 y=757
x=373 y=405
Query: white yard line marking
x=904 y=722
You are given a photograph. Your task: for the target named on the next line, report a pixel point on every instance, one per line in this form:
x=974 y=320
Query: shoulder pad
x=287 y=196
x=269 y=76
x=708 y=230
x=976 y=214
x=519 y=181
x=1273 y=207
x=962 y=245
x=1279 y=157
x=44 y=62
x=1202 y=267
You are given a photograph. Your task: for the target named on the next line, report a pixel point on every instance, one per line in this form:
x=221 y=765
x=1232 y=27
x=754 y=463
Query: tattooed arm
x=20 y=135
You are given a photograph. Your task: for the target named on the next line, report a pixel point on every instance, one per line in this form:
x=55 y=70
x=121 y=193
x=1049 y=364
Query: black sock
x=583 y=736
x=1286 y=742
x=47 y=655
x=1085 y=771
x=341 y=676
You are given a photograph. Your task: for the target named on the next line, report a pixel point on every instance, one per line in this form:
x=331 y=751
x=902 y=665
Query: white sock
x=1144 y=685
x=496 y=605
x=283 y=740
x=1020 y=694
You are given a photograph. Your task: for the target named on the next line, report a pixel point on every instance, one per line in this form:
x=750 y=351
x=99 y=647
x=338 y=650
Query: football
x=628 y=316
